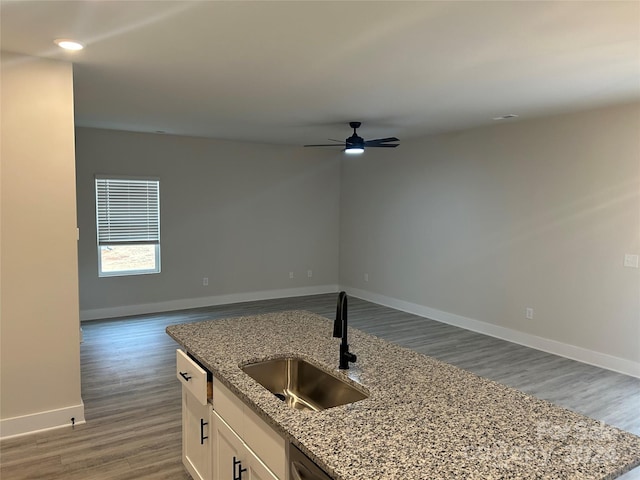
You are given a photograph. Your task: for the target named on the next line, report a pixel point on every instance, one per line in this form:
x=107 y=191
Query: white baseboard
x=41 y=421
x=598 y=359
x=182 y=304
x=591 y=357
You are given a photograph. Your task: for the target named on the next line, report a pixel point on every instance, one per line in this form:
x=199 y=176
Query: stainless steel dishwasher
x=302 y=467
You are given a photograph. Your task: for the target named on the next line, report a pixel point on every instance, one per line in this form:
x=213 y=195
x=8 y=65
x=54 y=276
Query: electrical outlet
x=630 y=260
x=528 y=313
x=205 y=281
x=309 y=273
x=366 y=277
x=290 y=274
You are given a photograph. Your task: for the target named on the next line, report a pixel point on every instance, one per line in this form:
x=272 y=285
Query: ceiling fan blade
x=356 y=142
x=327 y=145
x=382 y=140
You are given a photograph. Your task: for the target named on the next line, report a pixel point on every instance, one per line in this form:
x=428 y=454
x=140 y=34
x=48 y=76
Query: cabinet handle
x=240 y=470
x=202 y=437
x=185 y=375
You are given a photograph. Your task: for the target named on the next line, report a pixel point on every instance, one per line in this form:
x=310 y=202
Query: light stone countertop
x=424 y=419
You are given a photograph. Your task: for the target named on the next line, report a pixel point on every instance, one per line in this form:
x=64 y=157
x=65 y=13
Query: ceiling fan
x=356 y=144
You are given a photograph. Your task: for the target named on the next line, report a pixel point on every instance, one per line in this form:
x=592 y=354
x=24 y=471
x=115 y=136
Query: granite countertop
x=424 y=419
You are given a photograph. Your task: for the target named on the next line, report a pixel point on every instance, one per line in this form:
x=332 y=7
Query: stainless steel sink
x=302 y=385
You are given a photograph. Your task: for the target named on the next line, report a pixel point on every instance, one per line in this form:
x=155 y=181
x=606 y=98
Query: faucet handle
x=345 y=357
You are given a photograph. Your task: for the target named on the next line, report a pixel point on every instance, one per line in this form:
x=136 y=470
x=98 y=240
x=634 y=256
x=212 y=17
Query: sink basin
x=302 y=385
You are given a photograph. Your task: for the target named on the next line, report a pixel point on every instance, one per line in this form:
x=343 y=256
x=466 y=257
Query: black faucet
x=340 y=330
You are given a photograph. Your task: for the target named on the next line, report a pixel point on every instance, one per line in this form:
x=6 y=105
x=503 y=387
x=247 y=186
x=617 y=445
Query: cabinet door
x=196 y=433
x=232 y=458
x=254 y=432
x=228 y=450
x=257 y=470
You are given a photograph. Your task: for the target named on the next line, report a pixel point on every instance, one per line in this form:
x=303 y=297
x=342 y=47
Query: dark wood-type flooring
x=132 y=398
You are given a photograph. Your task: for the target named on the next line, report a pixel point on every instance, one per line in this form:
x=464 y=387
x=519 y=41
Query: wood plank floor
x=132 y=399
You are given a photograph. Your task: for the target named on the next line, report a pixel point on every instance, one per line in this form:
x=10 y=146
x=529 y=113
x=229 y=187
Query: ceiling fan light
x=354 y=150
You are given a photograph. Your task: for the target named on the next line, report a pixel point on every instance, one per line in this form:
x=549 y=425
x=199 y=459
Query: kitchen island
x=423 y=419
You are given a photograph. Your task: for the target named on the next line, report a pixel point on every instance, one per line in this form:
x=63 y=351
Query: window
x=128 y=218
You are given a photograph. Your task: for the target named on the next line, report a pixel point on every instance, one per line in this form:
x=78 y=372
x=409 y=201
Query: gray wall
x=473 y=226
x=244 y=215
x=484 y=223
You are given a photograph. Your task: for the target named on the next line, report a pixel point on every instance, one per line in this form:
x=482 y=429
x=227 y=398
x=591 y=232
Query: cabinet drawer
x=192 y=376
x=229 y=407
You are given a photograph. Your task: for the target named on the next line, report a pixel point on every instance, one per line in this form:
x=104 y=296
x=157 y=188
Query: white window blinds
x=127 y=210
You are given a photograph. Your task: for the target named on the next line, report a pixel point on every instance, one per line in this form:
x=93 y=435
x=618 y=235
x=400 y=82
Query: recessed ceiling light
x=68 y=44
x=506 y=117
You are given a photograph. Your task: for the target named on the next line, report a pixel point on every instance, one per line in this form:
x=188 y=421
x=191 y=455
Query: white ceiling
x=297 y=72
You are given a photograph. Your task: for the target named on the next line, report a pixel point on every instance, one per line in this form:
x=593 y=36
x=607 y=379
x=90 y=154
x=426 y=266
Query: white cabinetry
x=263 y=448
x=232 y=458
x=222 y=438
x=196 y=436
x=196 y=417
